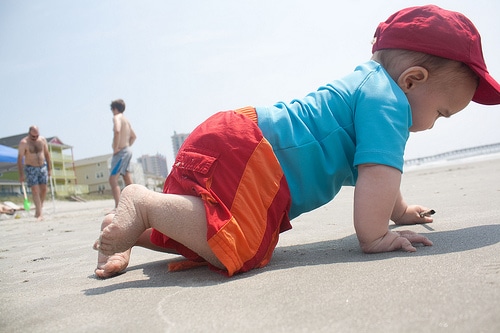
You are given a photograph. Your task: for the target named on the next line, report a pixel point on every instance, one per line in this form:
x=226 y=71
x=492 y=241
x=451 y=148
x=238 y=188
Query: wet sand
x=317 y=281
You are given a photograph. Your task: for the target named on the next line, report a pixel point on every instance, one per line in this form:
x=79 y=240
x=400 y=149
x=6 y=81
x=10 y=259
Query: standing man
x=123 y=138
x=33 y=149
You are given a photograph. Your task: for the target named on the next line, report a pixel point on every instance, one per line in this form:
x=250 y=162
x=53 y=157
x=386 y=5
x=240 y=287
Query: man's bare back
x=123 y=136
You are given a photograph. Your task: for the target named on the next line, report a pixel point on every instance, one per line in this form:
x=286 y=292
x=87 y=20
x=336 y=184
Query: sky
x=175 y=63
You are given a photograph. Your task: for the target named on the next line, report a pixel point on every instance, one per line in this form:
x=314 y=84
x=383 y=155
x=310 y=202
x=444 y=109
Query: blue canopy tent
x=8 y=157
x=9 y=183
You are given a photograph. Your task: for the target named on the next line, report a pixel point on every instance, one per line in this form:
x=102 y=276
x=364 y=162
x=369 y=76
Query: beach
x=318 y=279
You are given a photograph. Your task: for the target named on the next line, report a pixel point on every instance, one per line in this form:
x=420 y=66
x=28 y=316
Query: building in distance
x=178 y=140
x=154 y=164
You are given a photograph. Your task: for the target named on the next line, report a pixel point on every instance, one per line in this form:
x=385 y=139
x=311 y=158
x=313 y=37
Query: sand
x=317 y=281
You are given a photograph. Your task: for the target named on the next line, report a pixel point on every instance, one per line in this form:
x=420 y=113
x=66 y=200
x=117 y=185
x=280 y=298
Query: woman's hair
x=395 y=61
x=118 y=104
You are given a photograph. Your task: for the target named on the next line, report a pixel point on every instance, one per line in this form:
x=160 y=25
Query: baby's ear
x=412 y=77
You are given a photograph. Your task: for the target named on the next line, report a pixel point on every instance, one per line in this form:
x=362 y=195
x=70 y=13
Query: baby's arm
x=376 y=200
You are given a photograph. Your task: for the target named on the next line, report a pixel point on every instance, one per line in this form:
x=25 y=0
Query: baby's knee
x=107 y=220
x=133 y=190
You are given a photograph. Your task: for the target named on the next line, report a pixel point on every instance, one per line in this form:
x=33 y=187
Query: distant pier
x=456 y=154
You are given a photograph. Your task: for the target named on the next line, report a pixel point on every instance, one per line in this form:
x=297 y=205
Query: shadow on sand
x=341 y=250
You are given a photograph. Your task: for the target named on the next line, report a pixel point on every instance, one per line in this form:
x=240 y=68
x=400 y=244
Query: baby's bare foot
x=128 y=224
x=109 y=266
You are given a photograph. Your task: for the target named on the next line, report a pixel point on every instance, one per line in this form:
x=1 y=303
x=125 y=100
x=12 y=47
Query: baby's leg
x=180 y=217
x=127 y=224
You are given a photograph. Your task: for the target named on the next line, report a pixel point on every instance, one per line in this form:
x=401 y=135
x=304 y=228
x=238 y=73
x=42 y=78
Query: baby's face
x=432 y=101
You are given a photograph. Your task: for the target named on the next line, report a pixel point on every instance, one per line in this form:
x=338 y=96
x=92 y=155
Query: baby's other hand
x=414 y=215
x=397 y=240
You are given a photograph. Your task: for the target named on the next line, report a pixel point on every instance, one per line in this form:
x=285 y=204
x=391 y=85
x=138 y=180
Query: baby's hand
x=415 y=214
x=396 y=240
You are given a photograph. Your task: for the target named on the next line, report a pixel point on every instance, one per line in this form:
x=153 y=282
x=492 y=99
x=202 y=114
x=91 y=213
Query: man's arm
x=132 y=137
x=376 y=200
x=47 y=155
x=20 y=155
x=116 y=134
